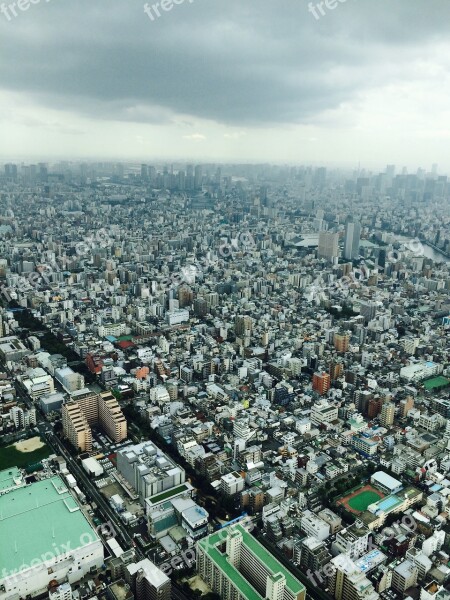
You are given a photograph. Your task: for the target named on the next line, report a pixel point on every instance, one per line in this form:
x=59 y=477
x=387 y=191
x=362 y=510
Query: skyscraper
x=328 y=245
x=198 y=177
x=352 y=238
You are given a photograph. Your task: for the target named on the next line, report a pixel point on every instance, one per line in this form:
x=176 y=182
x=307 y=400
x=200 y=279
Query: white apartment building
x=323 y=412
x=352 y=541
x=114 y=329
x=177 y=316
x=159 y=395
x=242 y=429
x=232 y=483
x=313 y=525
x=22 y=419
x=70 y=380
x=38 y=383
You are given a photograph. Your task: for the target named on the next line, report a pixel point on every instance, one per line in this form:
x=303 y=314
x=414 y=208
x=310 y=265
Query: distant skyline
x=181 y=164
x=234 y=81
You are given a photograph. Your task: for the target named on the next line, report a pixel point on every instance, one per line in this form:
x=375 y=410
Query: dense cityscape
x=224 y=381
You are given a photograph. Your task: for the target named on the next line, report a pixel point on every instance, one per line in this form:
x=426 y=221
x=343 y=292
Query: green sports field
x=436 y=382
x=11 y=457
x=361 y=501
x=358 y=499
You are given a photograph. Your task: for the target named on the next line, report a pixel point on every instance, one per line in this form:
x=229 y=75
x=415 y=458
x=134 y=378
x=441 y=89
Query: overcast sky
x=228 y=80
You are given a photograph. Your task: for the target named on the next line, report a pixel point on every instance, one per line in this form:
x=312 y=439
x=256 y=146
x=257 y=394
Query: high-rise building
x=368 y=310
x=314 y=554
x=352 y=239
x=200 y=307
x=11 y=172
x=341 y=342
x=185 y=295
x=147 y=582
x=406 y=404
x=144 y=172
x=111 y=418
x=348 y=582
x=328 y=245
x=198 y=177
x=242 y=324
x=237 y=567
x=76 y=427
x=404 y=576
x=321 y=383
x=387 y=414
x=336 y=370
x=86 y=409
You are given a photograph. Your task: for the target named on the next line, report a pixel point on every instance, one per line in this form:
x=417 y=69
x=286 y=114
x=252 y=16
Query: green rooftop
x=210 y=543
x=168 y=494
x=36 y=519
x=9 y=477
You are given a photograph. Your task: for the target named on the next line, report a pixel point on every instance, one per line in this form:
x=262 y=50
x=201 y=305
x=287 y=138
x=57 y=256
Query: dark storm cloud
x=255 y=62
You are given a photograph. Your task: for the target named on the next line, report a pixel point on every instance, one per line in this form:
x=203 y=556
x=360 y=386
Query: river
x=428 y=251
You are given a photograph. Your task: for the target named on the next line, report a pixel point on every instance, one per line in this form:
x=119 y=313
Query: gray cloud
x=237 y=62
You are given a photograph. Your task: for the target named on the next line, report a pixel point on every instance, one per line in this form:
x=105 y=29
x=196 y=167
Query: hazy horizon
x=234 y=82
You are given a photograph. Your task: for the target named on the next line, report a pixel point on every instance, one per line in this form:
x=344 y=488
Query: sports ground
x=23 y=453
x=360 y=498
x=436 y=383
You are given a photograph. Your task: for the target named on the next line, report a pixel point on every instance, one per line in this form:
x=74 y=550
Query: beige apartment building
x=111 y=417
x=87 y=409
x=76 y=427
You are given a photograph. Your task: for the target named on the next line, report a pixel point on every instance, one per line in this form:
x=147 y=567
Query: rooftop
x=48 y=510
x=169 y=493
x=10 y=478
x=210 y=543
x=386 y=480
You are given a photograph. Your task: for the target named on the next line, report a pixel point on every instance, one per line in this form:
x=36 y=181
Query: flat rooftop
x=10 y=478
x=37 y=518
x=386 y=480
x=210 y=543
x=185 y=487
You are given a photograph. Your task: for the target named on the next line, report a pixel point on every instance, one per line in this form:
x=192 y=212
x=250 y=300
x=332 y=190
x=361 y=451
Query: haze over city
x=224 y=300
